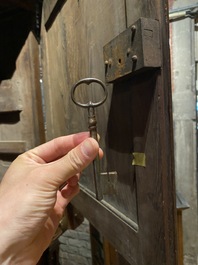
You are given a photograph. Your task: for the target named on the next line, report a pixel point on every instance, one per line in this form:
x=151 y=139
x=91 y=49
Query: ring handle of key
x=92 y=125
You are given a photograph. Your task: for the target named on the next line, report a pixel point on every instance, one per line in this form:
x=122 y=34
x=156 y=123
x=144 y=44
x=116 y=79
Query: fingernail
x=98 y=137
x=87 y=147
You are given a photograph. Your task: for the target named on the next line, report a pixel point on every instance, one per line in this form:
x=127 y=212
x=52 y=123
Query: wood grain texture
x=9 y=100
x=25 y=83
x=12 y=147
x=139 y=218
x=21 y=118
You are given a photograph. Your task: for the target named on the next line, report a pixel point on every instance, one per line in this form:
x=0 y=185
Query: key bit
x=92 y=125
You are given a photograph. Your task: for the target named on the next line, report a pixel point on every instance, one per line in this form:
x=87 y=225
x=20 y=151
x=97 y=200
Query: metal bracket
x=109 y=182
x=139 y=159
x=137 y=48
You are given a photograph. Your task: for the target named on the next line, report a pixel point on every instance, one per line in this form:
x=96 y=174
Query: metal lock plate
x=135 y=49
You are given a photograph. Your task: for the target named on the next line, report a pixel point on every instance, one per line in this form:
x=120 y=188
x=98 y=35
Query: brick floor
x=75 y=247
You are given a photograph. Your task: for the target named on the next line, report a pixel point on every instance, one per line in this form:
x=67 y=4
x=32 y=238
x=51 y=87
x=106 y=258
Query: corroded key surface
x=92 y=124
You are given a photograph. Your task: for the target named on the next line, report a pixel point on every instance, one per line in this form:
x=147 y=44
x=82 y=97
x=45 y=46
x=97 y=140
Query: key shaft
x=92 y=124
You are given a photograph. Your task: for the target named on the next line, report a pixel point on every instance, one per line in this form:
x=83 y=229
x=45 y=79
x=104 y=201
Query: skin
x=30 y=201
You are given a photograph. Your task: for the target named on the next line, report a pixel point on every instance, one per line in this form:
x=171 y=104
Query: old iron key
x=92 y=124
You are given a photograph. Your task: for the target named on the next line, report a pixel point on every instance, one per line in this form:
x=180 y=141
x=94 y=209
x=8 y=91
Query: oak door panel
x=137 y=213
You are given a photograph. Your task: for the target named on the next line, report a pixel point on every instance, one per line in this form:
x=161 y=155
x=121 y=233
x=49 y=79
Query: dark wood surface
x=138 y=217
x=25 y=4
x=21 y=119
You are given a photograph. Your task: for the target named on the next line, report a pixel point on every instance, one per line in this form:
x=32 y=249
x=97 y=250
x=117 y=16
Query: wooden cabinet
x=21 y=117
x=137 y=214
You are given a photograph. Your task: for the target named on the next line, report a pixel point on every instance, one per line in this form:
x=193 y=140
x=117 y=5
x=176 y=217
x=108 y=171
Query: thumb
x=72 y=163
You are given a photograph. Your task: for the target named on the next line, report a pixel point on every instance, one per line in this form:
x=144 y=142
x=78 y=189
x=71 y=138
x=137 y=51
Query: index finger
x=58 y=147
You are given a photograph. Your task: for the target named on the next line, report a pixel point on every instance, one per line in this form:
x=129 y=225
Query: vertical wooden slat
x=180 y=237
x=96 y=247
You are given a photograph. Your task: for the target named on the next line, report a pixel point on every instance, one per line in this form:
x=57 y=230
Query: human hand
x=30 y=201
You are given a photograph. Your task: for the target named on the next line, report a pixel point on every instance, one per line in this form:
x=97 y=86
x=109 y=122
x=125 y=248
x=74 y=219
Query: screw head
x=134 y=58
x=133 y=28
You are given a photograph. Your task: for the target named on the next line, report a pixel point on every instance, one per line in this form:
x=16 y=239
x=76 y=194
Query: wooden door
x=137 y=212
x=21 y=118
